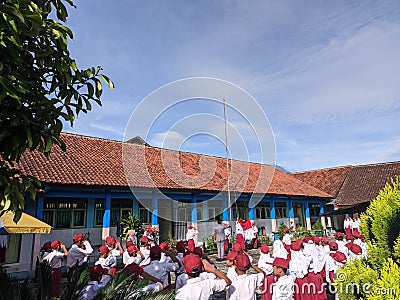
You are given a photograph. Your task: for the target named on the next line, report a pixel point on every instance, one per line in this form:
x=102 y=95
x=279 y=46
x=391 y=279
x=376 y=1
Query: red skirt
x=316 y=286
x=240 y=240
x=56 y=272
x=266 y=293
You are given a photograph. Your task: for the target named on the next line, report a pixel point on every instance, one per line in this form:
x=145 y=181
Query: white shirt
x=263 y=261
x=90 y=290
x=146 y=253
x=283 y=288
x=54 y=259
x=231 y=274
x=76 y=254
x=107 y=262
x=244 y=288
x=127 y=259
x=287 y=239
x=182 y=279
x=191 y=233
x=160 y=269
x=198 y=289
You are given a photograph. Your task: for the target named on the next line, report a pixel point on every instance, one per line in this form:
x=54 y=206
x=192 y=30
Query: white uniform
x=198 y=289
x=127 y=259
x=283 y=288
x=107 y=262
x=231 y=274
x=191 y=233
x=182 y=279
x=146 y=252
x=76 y=254
x=244 y=288
x=265 y=263
x=287 y=239
x=91 y=290
x=54 y=259
x=160 y=270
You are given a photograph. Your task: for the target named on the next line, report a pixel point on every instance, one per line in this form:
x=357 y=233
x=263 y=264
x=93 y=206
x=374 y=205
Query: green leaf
x=107 y=80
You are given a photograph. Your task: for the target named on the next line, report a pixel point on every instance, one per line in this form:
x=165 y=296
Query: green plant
x=317 y=226
x=208 y=244
x=301 y=232
x=281 y=229
x=129 y=223
x=264 y=239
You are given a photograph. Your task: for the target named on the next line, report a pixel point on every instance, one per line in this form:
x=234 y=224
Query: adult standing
x=78 y=253
x=191 y=234
x=219 y=238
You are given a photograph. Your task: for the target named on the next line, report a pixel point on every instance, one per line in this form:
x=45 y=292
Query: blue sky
x=325 y=73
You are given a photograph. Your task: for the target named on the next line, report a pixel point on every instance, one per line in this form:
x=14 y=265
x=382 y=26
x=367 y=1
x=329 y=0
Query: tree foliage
x=378 y=277
x=40 y=85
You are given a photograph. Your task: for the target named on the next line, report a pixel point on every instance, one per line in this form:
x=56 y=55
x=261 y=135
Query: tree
x=40 y=85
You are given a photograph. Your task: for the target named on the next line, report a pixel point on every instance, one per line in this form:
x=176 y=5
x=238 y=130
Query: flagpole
x=227 y=163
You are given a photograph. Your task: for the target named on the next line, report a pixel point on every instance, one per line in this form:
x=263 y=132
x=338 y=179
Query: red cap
x=356 y=249
x=348 y=245
x=192 y=263
x=333 y=246
x=129 y=243
x=349 y=237
x=296 y=246
x=46 y=246
x=357 y=235
x=110 y=240
x=280 y=262
x=164 y=246
x=104 y=249
x=340 y=257
x=190 y=227
x=325 y=240
x=198 y=251
x=242 y=262
x=264 y=248
x=316 y=239
x=55 y=244
x=237 y=247
x=180 y=246
x=96 y=272
x=306 y=239
x=286 y=230
x=78 y=237
x=144 y=239
x=132 y=249
x=231 y=255
x=155 y=252
x=190 y=245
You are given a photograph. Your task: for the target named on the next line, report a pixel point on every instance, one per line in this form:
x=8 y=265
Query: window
x=120 y=209
x=99 y=212
x=144 y=215
x=281 y=210
x=263 y=210
x=12 y=251
x=65 y=212
x=314 y=209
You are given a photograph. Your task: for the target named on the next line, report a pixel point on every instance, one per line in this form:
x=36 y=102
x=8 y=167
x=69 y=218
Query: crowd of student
x=296 y=269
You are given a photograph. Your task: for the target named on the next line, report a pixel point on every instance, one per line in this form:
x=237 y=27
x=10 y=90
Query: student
x=283 y=288
x=107 y=260
x=116 y=250
x=54 y=259
x=265 y=260
x=244 y=288
x=93 y=287
x=159 y=269
x=298 y=267
x=145 y=249
x=180 y=248
x=138 y=273
x=192 y=233
x=230 y=262
x=78 y=253
x=196 y=288
x=132 y=255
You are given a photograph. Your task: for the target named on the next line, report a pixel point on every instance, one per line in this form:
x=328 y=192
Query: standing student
x=244 y=288
x=54 y=258
x=284 y=286
x=197 y=288
x=191 y=234
x=219 y=238
x=78 y=253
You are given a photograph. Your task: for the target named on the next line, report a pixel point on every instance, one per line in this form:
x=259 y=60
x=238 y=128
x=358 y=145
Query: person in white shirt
x=132 y=255
x=191 y=234
x=244 y=288
x=265 y=260
x=78 y=253
x=54 y=259
x=298 y=268
x=158 y=269
x=230 y=262
x=284 y=286
x=93 y=287
x=116 y=250
x=107 y=260
x=145 y=250
x=287 y=237
x=197 y=288
x=182 y=279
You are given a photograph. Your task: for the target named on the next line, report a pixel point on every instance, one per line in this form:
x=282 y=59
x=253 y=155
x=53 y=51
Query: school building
x=94 y=184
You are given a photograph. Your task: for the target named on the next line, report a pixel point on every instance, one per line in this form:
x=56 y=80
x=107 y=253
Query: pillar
x=321 y=212
x=154 y=211
x=90 y=212
x=273 y=220
x=107 y=215
x=225 y=213
x=291 y=214
x=135 y=207
x=194 y=215
x=308 y=218
x=252 y=209
x=40 y=206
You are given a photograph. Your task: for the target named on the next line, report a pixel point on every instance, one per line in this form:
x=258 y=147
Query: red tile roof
x=328 y=180
x=363 y=183
x=101 y=162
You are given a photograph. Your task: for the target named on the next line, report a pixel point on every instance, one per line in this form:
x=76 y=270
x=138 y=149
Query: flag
x=248 y=232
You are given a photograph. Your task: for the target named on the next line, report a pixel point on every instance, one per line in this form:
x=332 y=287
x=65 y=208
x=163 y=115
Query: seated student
x=197 y=288
x=246 y=284
x=166 y=247
x=180 y=248
x=284 y=286
x=161 y=269
x=93 y=287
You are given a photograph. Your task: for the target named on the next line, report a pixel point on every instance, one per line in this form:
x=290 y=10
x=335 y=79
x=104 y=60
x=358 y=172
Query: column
x=107 y=215
x=135 y=207
x=273 y=220
x=154 y=212
x=321 y=212
x=39 y=210
x=225 y=213
x=291 y=214
x=205 y=210
x=252 y=209
x=308 y=218
x=194 y=215
x=90 y=212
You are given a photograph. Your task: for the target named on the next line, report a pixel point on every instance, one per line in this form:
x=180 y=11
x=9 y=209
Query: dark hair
x=219 y=221
x=195 y=272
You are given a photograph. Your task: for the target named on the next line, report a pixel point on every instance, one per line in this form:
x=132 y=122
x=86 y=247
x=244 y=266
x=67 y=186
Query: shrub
x=129 y=223
x=388 y=284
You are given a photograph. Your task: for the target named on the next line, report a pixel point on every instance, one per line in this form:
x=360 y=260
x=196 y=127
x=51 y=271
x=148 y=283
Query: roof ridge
x=323 y=169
